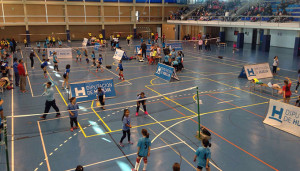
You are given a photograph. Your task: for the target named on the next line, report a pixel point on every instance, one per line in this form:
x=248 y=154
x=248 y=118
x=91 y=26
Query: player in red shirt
x=286 y=89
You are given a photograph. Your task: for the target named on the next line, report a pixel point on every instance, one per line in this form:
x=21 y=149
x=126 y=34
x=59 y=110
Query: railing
x=246 y=20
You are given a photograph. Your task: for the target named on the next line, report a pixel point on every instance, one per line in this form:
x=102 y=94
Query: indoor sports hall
x=182 y=85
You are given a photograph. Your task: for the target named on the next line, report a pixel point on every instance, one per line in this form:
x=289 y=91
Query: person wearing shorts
x=66 y=77
x=101 y=97
x=78 y=55
x=55 y=61
x=144 y=146
x=44 y=67
x=94 y=58
x=141 y=99
x=286 y=89
x=86 y=56
x=120 y=68
x=275 y=65
x=203 y=155
x=100 y=59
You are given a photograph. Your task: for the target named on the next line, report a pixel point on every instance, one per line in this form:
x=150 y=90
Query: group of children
x=174 y=59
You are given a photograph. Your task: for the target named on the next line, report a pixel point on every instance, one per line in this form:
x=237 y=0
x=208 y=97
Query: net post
x=6 y=146
x=198 y=105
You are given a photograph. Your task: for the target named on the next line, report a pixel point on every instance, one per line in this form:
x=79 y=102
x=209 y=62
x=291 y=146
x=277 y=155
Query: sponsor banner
x=284 y=116
x=120 y=55
x=165 y=72
x=137 y=48
x=176 y=46
x=258 y=71
x=86 y=91
x=60 y=52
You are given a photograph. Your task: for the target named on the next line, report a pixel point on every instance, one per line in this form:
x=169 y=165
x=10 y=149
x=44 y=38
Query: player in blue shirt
x=44 y=67
x=167 y=60
x=44 y=54
x=144 y=146
x=100 y=59
x=94 y=58
x=55 y=61
x=85 y=53
x=142 y=40
x=175 y=65
x=38 y=44
x=203 y=155
x=66 y=77
x=120 y=67
x=78 y=55
x=140 y=98
x=126 y=127
x=17 y=76
x=73 y=113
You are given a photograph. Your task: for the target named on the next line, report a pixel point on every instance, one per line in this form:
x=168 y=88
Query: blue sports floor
x=230 y=111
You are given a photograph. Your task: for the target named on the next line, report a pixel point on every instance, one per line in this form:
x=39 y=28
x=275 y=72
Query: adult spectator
x=144 y=49
x=17 y=77
x=50 y=100
x=22 y=75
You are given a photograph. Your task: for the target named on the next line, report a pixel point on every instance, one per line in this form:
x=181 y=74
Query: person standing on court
x=22 y=75
x=31 y=59
x=275 y=65
x=144 y=146
x=73 y=113
x=101 y=97
x=50 y=101
x=141 y=99
x=144 y=49
x=17 y=77
x=298 y=82
x=203 y=155
x=126 y=127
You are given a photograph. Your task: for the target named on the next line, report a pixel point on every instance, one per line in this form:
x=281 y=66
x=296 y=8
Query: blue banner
x=137 y=48
x=86 y=91
x=97 y=46
x=164 y=71
x=176 y=46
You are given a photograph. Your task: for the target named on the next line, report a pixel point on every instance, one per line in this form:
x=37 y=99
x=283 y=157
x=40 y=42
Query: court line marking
x=99 y=117
x=190 y=116
x=167 y=129
x=120 y=157
x=12 y=128
x=116 y=75
x=135 y=79
x=218 y=134
x=178 y=153
x=225 y=101
x=44 y=148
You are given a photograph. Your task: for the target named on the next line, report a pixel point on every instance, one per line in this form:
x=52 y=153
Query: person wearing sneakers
x=120 y=67
x=31 y=55
x=50 y=101
x=55 y=61
x=66 y=77
x=44 y=67
x=101 y=97
x=139 y=98
x=73 y=113
x=144 y=146
x=99 y=63
x=126 y=127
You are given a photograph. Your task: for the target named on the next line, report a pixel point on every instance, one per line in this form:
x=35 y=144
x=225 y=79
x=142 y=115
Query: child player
x=78 y=55
x=44 y=67
x=99 y=63
x=94 y=58
x=120 y=67
x=144 y=146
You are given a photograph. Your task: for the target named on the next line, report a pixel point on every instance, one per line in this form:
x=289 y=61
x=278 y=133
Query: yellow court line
x=183 y=117
x=195 y=79
x=135 y=78
x=61 y=94
x=99 y=117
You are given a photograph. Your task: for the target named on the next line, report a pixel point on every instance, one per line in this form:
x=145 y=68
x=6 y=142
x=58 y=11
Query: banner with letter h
x=166 y=72
x=283 y=116
x=86 y=91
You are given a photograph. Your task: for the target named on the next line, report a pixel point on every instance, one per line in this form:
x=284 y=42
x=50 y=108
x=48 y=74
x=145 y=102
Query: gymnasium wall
x=169 y=31
x=191 y=30
x=13 y=32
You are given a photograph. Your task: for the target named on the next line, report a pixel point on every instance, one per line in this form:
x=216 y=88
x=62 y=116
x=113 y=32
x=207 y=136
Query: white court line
x=27 y=76
x=167 y=129
x=12 y=128
x=104 y=161
x=44 y=148
x=225 y=101
x=116 y=75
